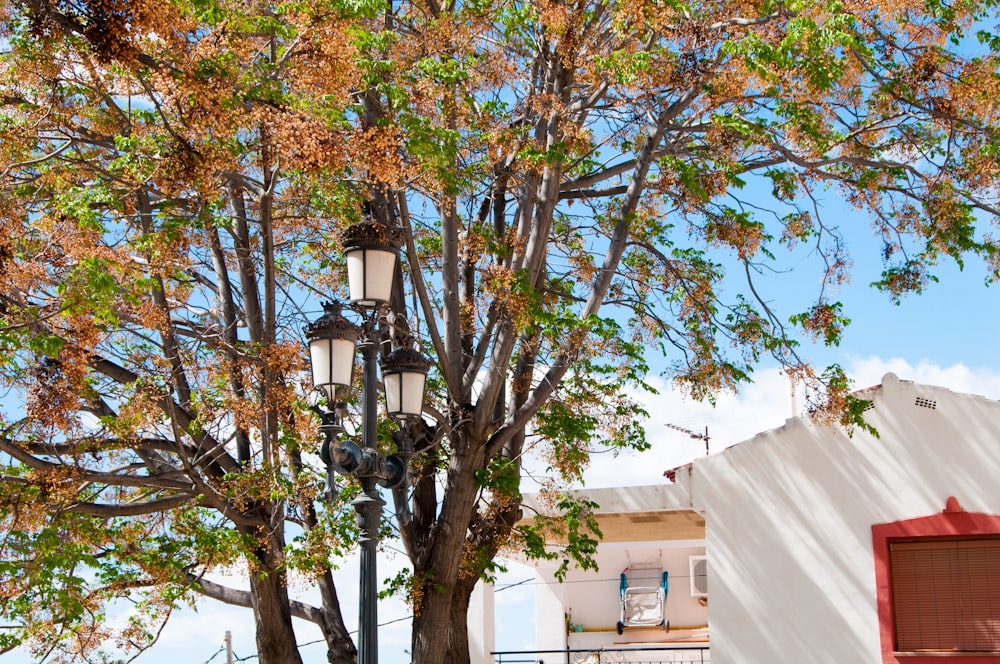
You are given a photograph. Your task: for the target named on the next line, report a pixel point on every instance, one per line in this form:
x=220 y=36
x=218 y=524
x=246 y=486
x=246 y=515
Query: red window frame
x=952 y=522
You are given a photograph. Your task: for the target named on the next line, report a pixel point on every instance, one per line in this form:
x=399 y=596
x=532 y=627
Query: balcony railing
x=657 y=655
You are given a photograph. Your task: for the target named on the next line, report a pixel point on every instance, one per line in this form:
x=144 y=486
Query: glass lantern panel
x=332 y=362
x=369 y=275
x=392 y=385
x=404 y=393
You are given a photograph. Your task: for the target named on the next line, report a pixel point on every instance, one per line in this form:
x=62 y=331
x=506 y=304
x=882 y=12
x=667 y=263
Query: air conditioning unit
x=699 y=576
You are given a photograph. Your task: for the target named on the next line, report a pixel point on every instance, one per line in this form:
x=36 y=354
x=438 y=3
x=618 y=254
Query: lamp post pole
x=371 y=251
x=368 y=505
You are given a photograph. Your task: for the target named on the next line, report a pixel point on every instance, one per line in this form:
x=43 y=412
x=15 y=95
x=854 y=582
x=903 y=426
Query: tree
x=574 y=181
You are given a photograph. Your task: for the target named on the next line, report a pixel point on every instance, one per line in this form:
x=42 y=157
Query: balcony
x=611 y=655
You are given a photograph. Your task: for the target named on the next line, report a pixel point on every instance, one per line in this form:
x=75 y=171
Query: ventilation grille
x=699 y=576
x=924 y=402
x=868 y=405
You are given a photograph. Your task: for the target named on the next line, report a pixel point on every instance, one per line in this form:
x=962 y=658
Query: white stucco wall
x=481 y=622
x=789 y=515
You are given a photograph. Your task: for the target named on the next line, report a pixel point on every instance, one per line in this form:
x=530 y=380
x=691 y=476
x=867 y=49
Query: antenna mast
x=692 y=434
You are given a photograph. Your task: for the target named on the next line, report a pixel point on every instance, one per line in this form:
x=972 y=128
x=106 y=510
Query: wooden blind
x=946 y=595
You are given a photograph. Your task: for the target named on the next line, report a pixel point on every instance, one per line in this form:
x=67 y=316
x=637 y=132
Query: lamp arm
x=343 y=456
x=347 y=458
x=389 y=471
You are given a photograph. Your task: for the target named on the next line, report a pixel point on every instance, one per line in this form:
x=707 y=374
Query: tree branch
x=107 y=511
x=242 y=598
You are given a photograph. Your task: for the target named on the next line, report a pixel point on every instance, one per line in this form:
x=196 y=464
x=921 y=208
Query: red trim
x=953 y=521
x=950 y=659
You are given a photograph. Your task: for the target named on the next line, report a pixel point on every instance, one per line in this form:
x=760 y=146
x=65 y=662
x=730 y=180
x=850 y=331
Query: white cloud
x=202 y=633
x=763 y=405
x=957 y=377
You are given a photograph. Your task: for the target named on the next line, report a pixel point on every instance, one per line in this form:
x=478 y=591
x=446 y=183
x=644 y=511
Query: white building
x=822 y=547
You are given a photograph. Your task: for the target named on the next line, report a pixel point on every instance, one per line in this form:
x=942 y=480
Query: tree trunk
x=448 y=635
x=458 y=624
x=272 y=611
x=440 y=572
x=431 y=629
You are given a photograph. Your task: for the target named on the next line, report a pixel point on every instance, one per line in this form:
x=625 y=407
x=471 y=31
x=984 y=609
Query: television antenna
x=692 y=434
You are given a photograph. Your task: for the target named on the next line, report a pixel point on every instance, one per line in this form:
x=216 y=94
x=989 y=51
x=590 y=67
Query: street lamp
x=372 y=251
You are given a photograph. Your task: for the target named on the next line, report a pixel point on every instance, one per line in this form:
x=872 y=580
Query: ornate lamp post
x=372 y=252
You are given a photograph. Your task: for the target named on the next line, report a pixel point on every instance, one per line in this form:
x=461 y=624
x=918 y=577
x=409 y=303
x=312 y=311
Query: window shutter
x=946 y=595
